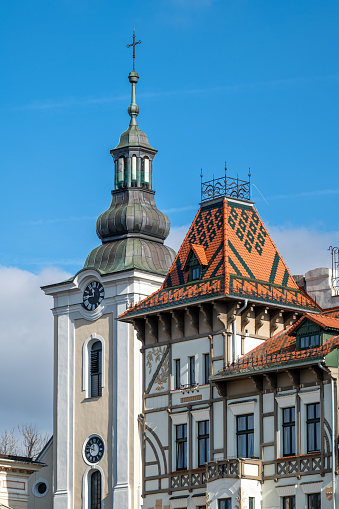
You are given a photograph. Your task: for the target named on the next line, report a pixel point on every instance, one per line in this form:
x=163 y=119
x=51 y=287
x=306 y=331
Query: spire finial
x=133 y=44
x=133 y=109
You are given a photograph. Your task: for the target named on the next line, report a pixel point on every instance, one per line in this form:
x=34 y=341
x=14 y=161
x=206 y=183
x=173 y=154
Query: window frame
x=86 y=363
x=97 y=503
x=206 y=367
x=317 y=501
x=95 y=370
x=181 y=446
x=177 y=374
x=191 y=371
x=290 y=427
x=204 y=439
x=247 y=432
x=287 y=502
x=311 y=423
x=225 y=503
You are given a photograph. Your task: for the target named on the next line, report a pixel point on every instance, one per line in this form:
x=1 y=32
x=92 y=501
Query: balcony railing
x=236 y=468
x=188 y=479
x=302 y=465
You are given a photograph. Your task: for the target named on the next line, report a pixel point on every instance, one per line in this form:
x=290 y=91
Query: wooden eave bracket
x=221 y=388
x=207 y=313
x=165 y=323
x=221 y=312
x=290 y=318
x=139 y=325
x=179 y=320
x=294 y=376
x=232 y=312
x=152 y=322
x=318 y=373
x=245 y=317
x=271 y=379
x=260 y=315
x=275 y=317
x=258 y=382
x=193 y=316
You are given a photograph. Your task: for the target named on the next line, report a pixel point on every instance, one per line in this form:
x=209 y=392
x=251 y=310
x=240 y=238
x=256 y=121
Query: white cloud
x=26 y=338
x=176 y=236
x=303 y=249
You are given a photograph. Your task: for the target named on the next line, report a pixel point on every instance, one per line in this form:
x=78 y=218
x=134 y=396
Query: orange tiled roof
x=333 y=312
x=278 y=350
x=242 y=260
x=200 y=253
x=323 y=321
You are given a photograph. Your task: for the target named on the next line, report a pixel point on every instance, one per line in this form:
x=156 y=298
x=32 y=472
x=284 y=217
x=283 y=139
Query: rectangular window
x=313 y=427
x=245 y=436
x=225 y=503
x=203 y=442
x=251 y=503
x=195 y=273
x=181 y=446
x=310 y=341
x=288 y=431
x=191 y=373
x=314 y=501
x=206 y=367
x=177 y=377
x=289 y=502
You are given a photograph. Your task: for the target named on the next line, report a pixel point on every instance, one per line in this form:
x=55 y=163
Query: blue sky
x=253 y=82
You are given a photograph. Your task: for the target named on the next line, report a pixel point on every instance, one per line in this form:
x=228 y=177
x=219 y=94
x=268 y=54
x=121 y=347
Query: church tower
x=97 y=364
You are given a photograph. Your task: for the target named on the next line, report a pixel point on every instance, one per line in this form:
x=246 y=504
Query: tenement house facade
x=240 y=371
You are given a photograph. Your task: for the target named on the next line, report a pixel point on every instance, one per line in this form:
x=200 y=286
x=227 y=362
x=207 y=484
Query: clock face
x=93 y=295
x=94 y=449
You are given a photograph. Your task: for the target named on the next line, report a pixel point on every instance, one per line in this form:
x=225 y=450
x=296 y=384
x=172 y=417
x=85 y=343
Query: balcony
x=188 y=479
x=296 y=466
x=239 y=468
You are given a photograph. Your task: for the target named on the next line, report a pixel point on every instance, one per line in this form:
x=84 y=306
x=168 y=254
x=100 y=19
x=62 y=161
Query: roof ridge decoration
x=243 y=261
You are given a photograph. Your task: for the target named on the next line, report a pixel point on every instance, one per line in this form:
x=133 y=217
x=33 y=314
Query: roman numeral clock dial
x=93 y=295
x=94 y=449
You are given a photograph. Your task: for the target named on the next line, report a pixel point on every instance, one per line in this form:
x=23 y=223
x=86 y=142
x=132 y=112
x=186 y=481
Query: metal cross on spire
x=133 y=45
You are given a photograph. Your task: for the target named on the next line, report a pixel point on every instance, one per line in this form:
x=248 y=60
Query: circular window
x=40 y=488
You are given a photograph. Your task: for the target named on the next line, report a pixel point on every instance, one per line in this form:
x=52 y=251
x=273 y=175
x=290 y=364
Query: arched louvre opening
x=96 y=369
x=95 y=490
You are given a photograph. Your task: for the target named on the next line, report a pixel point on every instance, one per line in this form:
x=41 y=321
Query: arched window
x=94 y=486
x=146 y=170
x=96 y=369
x=93 y=365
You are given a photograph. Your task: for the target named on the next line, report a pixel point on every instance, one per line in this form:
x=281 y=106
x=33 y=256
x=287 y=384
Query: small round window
x=40 y=488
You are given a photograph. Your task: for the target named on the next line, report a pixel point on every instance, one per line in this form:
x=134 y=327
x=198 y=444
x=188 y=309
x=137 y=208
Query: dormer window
x=195 y=261
x=313 y=331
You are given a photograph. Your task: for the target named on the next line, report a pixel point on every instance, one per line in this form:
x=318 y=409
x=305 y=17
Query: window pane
x=207 y=367
x=250 y=451
x=95 y=493
x=251 y=503
x=317 y=410
x=314 y=501
x=242 y=446
x=242 y=421
x=250 y=421
x=317 y=436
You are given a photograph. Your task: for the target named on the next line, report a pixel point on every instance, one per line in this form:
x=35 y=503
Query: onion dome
x=132 y=229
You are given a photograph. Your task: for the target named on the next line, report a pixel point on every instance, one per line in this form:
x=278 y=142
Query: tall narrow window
x=289 y=502
x=206 y=367
x=251 y=503
x=288 y=431
x=177 y=377
x=191 y=372
x=181 y=446
x=245 y=435
x=313 y=427
x=95 y=369
x=146 y=170
x=95 y=490
x=134 y=167
x=203 y=442
x=121 y=169
x=225 y=503
x=314 y=501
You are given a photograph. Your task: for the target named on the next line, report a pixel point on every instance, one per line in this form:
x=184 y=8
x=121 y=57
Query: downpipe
x=333 y=437
x=234 y=328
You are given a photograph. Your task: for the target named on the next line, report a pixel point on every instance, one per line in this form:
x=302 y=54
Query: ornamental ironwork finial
x=133 y=44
